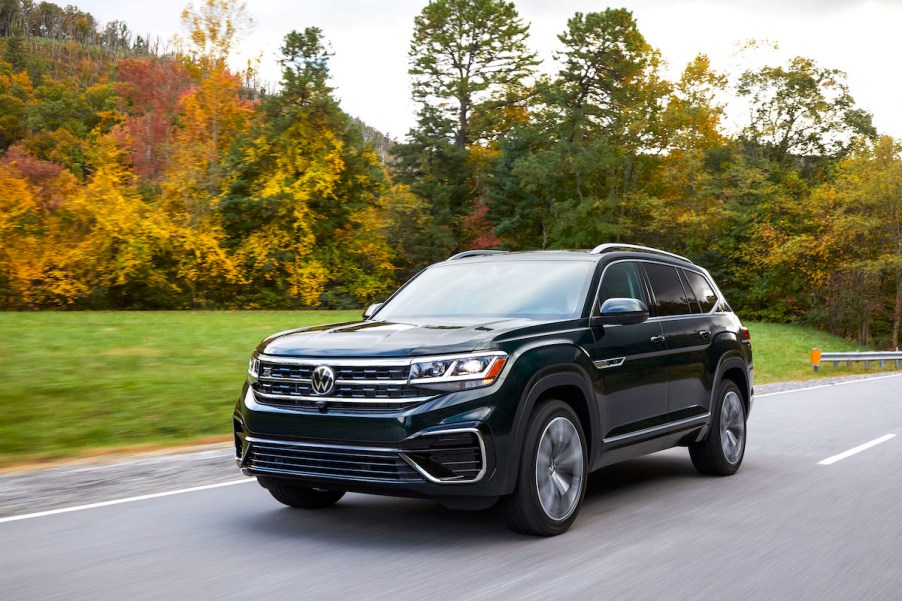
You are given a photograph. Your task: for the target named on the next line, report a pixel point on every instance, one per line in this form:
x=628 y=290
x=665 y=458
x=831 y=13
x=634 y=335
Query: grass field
x=782 y=353
x=78 y=382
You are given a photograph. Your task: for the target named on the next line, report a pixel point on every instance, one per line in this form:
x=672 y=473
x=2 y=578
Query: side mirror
x=621 y=312
x=371 y=310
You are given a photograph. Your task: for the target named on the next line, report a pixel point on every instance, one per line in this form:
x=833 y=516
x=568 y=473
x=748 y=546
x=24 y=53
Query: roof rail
x=611 y=247
x=475 y=253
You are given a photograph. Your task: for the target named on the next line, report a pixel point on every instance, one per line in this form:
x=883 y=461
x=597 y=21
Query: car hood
x=385 y=339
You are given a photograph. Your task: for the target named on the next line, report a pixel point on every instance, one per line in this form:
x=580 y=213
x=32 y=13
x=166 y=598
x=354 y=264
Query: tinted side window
x=702 y=289
x=670 y=298
x=693 y=301
x=621 y=280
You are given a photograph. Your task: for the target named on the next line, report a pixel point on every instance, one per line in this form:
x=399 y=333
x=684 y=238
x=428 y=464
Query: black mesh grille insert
x=275 y=457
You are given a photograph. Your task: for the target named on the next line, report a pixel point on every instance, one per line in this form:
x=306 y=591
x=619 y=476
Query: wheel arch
x=570 y=384
x=733 y=368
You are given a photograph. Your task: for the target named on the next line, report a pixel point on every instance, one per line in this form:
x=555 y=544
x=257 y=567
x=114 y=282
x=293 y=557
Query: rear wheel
x=552 y=478
x=305 y=498
x=721 y=453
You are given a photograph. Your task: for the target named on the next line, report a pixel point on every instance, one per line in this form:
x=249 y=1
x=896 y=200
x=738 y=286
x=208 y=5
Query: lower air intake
x=452 y=456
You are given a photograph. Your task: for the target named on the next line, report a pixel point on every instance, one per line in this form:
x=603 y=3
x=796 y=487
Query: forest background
x=140 y=174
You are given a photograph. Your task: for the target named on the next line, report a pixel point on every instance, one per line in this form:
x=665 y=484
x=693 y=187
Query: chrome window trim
x=695 y=268
x=434 y=480
x=668 y=425
x=601 y=279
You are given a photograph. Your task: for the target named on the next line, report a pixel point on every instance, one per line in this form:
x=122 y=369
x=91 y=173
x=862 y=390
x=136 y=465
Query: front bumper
x=450 y=445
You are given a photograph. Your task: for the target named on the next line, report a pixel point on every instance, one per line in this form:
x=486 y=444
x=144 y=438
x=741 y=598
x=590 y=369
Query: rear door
x=687 y=335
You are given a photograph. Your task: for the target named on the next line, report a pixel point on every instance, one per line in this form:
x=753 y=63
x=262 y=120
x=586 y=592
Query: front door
x=631 y=382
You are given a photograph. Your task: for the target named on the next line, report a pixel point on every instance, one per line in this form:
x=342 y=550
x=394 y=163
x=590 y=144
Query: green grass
x=782 y=353
x=74 y=383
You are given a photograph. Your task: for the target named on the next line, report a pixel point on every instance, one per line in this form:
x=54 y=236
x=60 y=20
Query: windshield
x=542 y=290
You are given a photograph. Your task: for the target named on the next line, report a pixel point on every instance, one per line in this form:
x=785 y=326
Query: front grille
x=333 y=462
x=359 y=387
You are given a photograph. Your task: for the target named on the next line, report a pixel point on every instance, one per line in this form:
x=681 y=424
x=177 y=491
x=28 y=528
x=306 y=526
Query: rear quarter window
x=702 y=289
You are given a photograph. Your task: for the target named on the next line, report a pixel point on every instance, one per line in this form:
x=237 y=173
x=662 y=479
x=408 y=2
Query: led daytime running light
x=469 y=371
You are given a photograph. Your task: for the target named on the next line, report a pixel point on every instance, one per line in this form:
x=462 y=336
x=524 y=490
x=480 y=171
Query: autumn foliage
x=135 y=176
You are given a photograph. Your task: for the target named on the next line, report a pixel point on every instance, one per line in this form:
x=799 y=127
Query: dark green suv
x=504 y=376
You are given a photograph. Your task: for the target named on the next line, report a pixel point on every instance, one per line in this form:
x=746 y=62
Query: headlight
x=460 y=372
x=253 y=368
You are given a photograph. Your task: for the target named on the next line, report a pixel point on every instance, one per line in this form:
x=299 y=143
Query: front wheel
x=305 y=498
x=551 y=481
x=721 y=453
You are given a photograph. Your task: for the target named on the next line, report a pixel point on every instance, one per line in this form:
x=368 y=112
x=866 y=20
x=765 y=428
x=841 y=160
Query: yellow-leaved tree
x=111 y=237
x=312 y=188
x=212 y=113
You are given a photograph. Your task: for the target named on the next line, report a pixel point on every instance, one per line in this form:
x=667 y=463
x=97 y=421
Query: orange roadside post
x=815 y=358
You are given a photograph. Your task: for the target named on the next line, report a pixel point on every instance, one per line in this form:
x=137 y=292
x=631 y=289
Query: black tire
x=721 y=453
x=524 y=510
x=305 y=498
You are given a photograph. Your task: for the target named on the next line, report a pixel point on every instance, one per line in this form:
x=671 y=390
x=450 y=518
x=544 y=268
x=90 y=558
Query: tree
x=305 y=67
x=15 y=53
x=303 y=209
x=152 y=89
x=865 y=227
x=588 y=146
x=469 y=64
x=687 y=215
x=605 y=60
x=212 y=113
x=16 y=95
x=801 y=110
x=465 y=58
x=214 y=29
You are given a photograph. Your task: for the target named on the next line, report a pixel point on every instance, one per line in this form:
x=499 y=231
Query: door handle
x=706 y=334
x=657 y=339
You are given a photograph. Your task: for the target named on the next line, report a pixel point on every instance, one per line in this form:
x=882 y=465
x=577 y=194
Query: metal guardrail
x=818 y=357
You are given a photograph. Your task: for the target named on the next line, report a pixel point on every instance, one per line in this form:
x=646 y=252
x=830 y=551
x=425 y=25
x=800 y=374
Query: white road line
x=157 y=495
x=858 y=449
x=758 y=396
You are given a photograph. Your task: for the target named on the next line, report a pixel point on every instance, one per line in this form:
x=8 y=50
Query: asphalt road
x=784 y=527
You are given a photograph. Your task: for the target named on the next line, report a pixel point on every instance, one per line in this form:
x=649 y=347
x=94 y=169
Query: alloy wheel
x=559 y=468
x=732 y=427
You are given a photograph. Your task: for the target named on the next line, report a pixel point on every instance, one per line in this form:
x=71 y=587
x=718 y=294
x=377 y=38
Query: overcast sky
x=370 y=39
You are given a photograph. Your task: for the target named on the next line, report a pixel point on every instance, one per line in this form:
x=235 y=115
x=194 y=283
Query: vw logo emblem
x=323 y=380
